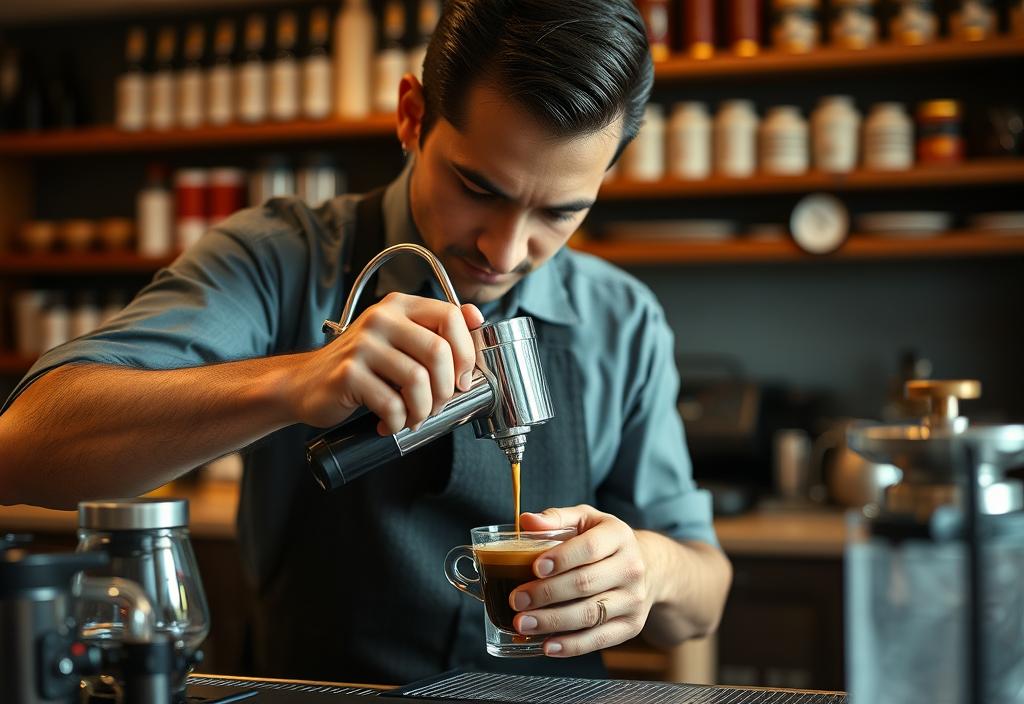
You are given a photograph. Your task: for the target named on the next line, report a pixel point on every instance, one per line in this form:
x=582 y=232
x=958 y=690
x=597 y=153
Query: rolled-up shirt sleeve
x=650 y=485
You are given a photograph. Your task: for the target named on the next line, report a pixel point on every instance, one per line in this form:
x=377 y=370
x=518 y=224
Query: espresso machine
x=509 y=393
x=43 y=656
x=119 y=621
x=935 y=609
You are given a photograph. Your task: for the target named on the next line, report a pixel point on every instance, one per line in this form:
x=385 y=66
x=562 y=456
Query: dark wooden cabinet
x=783 y=624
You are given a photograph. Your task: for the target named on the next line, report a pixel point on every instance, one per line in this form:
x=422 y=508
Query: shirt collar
x=541 y=293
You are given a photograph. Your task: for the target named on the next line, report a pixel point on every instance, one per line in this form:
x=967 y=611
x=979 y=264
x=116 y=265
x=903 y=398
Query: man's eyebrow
x=482 y=182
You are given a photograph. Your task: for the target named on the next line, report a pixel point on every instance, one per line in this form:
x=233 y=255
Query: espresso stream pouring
x=508 y=396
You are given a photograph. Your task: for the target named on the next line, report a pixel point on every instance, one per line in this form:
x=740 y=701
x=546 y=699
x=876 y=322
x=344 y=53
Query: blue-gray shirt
x=261 y=282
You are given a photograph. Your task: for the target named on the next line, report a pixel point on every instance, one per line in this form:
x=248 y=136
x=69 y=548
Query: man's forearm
x=690 y=583
x=89 y=431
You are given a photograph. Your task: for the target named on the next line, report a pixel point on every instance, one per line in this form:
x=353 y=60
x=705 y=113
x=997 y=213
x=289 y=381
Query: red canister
x=227 y=193
x=699 y=28
x=191 y=198
x=745 y=27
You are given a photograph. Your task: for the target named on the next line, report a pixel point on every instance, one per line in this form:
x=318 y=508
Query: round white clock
x=820 y=223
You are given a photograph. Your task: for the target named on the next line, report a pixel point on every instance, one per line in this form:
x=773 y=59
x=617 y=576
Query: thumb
x=552 y=519
x=474 y=318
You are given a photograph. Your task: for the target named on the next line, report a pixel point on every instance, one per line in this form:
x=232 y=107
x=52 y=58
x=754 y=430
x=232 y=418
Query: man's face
x=498 y=198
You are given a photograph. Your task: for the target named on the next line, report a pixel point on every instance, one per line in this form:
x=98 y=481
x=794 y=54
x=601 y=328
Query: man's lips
x=484 y=275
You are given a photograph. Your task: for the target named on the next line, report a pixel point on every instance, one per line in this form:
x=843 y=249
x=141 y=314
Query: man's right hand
x=402 y=359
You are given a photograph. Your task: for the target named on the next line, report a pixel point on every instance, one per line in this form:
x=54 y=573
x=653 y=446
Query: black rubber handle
x=350 y=450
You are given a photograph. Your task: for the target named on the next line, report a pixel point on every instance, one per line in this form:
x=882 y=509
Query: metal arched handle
x=332 y=328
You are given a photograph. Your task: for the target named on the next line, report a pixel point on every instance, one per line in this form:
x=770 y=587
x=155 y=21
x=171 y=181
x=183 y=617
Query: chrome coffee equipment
x=508 y=396
x=147 y=542
x=935 y=610
x=42 y=654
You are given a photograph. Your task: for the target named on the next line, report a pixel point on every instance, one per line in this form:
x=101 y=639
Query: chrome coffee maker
x=42 y=654
x=508 y=396
x=935 y=609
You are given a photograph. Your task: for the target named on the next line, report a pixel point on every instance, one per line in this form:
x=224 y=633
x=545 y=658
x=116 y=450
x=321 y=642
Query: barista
x=524 y=106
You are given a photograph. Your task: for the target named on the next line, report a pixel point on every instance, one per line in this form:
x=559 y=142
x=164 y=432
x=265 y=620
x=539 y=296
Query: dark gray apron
x=359 y=592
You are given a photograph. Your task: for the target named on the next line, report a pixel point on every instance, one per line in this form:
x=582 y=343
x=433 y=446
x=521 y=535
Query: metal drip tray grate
x=265 y=685
x=521 y=689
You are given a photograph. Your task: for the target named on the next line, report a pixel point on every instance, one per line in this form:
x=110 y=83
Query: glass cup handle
x=466 y=585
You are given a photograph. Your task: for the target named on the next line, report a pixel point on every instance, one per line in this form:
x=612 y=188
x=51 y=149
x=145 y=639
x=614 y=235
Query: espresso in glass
x=503 y=560
x=503 y=567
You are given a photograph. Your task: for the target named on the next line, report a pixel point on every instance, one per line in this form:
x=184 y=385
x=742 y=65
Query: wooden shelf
x=830 y=59
x=81 y=263
x=14 y=364
x=953 y=244
x=109 y=140
x=972 y=173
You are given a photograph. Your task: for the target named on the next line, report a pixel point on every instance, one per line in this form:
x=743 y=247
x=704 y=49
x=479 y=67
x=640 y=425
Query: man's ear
x=411 y=108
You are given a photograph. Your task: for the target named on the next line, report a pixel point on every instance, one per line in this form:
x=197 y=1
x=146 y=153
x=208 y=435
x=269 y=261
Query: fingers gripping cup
x=503 y=559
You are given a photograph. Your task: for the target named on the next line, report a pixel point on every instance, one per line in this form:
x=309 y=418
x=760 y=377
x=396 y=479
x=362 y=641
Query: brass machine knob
x=943 y=397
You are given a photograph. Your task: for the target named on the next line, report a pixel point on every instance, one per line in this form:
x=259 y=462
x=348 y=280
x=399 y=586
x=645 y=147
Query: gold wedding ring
x=602 y=612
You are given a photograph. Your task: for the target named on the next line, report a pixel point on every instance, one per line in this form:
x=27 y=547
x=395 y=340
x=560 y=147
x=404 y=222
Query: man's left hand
x=592 y=589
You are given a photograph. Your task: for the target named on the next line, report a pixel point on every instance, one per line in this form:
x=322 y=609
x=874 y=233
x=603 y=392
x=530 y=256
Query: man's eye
x=560 y=215
x=472 y=193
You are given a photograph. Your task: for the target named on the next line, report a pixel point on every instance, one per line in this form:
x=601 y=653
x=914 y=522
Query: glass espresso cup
x=503 y=560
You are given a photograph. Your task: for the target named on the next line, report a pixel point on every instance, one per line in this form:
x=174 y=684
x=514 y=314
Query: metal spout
x=514 y=446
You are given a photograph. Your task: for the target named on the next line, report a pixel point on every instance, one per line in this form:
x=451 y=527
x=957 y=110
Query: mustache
x=476 y=258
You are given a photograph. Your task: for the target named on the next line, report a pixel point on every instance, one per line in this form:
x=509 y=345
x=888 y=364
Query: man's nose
x=505 y=242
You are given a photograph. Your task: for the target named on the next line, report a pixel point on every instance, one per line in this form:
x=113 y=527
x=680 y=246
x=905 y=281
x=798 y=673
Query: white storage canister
x=888 y=138
x=689 y=141
x=835 y=130
x=735 y=144
x=784 y=141
x=644 y=158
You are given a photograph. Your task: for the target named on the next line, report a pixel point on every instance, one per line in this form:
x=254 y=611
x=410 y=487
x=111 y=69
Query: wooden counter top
x=213 y=505
x=212 y=509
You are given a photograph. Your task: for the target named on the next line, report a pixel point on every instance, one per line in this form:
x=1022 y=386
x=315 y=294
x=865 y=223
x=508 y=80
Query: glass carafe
x=147 y=541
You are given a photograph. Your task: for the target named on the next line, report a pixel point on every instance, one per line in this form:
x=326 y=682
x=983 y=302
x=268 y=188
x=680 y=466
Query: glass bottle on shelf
x=29 y=101
x=426 y=21
x=914 y=22
x=220 y=78
x=154 y=213
x=10 y=76
x=191 y=110
x=1017 y=18
x=252 y=73
x=656 y=14
x=131 y=85
x=796 y=28
x=354 y=41
x=161 y=82
x=391 y=59
x=316 y=67
x=973 y=20
x=284 y=72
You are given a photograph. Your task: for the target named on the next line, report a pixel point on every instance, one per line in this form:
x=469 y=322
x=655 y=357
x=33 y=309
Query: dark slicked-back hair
x=575 y=65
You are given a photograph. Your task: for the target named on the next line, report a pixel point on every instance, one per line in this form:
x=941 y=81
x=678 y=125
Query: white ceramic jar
x=735 y=139
x=854 y=25
x=689 y=141
x=644 y=158
x=835 y=130
x=796 y=27
x=784 y=145
x=888 y=138
x=914 y=23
